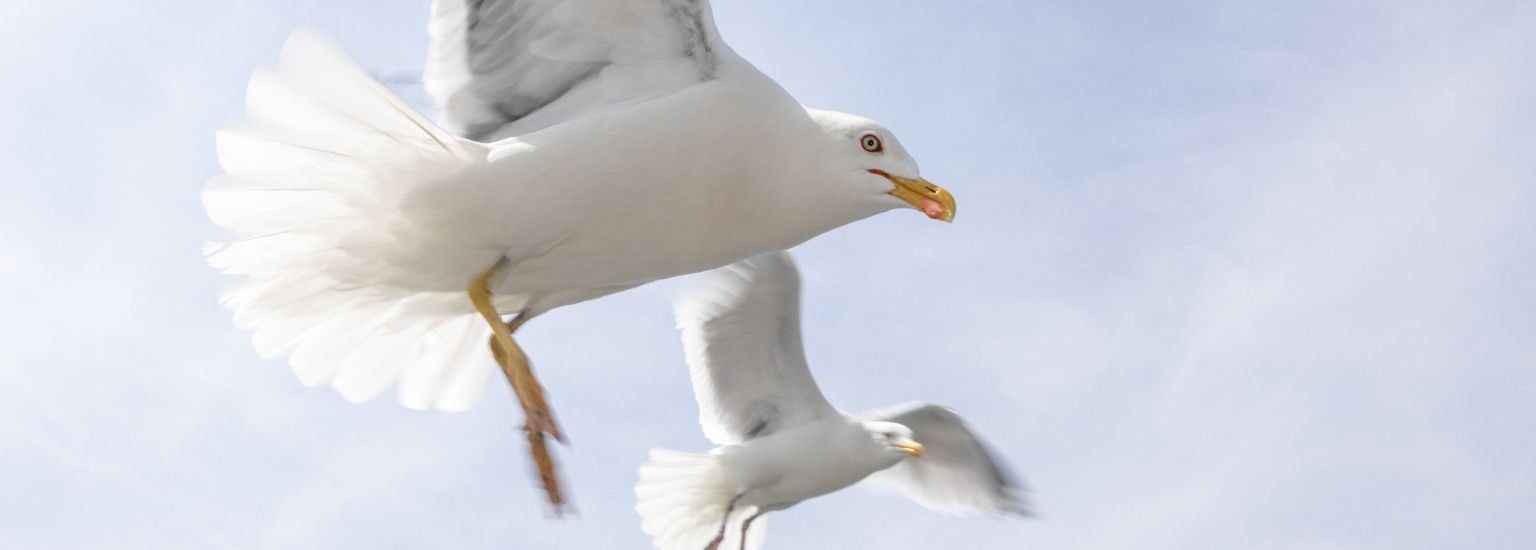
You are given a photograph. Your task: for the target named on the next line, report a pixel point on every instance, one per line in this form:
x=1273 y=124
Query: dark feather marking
x=765 y=416
x=690 y=16
x=485 y=57
x=757 y=429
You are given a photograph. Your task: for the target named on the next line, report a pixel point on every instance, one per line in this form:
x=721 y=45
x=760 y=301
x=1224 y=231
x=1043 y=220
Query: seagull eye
x=887 y=435
x=871 y=143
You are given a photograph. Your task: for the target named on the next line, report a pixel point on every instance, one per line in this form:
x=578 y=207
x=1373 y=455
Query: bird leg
x=748 y=525
x=518 y=370
x=514 y=364
x=720 y=535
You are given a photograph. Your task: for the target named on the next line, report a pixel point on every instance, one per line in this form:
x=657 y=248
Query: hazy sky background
x=1223 y=276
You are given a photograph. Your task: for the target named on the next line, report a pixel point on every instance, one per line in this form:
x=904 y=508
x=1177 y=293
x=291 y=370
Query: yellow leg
x=530 y=394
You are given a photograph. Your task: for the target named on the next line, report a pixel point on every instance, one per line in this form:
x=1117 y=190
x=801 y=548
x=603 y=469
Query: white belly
x=813 y=460
x=641 y=195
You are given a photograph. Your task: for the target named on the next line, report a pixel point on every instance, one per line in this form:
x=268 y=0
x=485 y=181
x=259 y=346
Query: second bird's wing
x=741 y=334
x=957 y=474
x=501 y=68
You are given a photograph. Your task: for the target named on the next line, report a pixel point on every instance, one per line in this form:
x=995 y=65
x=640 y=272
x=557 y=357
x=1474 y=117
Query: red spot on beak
x=932 y=208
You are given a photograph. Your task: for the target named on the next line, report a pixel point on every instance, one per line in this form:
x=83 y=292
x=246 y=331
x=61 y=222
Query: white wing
x=501 y=68
x=957 y=474
x=741 y=334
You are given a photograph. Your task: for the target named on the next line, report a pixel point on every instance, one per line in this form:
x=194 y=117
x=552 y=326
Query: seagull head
x=894 y=439
x=878 y=169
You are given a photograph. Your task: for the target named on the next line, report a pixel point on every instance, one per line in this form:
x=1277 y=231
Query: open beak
x=931 y=199
x=911 y=448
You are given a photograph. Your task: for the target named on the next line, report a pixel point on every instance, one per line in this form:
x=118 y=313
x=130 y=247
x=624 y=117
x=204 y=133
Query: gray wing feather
x=741 y=334
x=957 y=475
x=494 y=64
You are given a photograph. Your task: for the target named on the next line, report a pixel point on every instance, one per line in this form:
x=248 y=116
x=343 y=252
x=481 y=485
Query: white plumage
x=312 y=185
x=781 y=442
x=607 y=144
x=682 y=498
x=741 y=336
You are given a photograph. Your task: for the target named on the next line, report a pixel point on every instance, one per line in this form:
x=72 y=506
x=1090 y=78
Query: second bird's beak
x=931 y=199
x=911 y=448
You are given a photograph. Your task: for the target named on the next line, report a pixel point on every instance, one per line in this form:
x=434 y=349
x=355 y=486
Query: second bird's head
x=895 y=440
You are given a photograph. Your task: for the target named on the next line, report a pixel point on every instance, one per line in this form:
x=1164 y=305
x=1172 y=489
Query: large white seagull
x=590 y=146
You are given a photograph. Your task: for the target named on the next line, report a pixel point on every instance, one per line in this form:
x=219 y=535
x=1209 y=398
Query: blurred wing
x=741 y=334
x=957 y=474
x=500 y=68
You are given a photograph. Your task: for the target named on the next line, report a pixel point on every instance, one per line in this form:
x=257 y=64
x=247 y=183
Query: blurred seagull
x=781 y=442
x=605 y=144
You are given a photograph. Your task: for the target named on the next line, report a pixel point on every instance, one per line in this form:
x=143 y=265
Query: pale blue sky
x=1225 y=275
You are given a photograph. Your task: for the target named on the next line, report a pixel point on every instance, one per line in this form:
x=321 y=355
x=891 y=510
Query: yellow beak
x=911 y=448
x=931 y=199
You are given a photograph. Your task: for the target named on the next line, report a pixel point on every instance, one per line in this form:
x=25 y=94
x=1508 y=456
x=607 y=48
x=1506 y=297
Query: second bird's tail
x=682 y=499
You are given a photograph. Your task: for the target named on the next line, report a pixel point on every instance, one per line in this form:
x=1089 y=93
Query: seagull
x=587 y=147
x=780 y=441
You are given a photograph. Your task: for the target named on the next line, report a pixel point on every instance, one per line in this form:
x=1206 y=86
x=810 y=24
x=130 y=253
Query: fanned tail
x=682 y=498
x=313 y=186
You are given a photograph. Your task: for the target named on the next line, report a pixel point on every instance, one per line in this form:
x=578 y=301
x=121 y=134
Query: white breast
x=689 y=182
x=805 y=462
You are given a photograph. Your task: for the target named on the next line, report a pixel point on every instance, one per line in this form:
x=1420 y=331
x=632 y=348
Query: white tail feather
x=682 y=498
x=313 y=186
